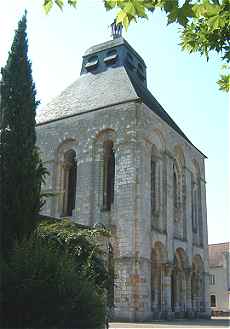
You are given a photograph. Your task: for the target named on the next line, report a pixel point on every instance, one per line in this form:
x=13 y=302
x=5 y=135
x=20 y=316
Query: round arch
x=158 y=260
x=65 y=170
x=197 y=284
x=178 y=281
x=179 y=155
x=156 y=137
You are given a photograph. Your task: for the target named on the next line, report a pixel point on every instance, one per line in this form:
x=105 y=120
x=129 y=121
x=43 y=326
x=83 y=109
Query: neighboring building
x=219 y=277
x=117 y=158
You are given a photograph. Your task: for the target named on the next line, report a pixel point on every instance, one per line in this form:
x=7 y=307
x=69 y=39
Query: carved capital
x=167 y=268
x=188 y=272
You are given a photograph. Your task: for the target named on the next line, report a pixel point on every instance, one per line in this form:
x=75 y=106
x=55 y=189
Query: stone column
x=206 y=310
x=177 y=292
x=183 y=292
x=155 y=302
x=200 y=292
x=188 y=277
x=196 y=304
x=167 y=290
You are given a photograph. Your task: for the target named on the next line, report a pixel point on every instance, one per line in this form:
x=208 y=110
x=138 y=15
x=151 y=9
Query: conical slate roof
x=112 y=73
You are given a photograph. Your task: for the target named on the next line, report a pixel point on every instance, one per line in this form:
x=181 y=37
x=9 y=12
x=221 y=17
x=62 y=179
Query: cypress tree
x=21 y=170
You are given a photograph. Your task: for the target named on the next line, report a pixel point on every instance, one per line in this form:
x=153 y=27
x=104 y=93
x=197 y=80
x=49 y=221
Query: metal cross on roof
x=116 y=30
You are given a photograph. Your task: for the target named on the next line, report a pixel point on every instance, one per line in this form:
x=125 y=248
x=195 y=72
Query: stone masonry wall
x=133 y=128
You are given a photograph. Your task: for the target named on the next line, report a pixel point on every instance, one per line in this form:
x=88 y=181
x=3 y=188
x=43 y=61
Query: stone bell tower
x=117 y=158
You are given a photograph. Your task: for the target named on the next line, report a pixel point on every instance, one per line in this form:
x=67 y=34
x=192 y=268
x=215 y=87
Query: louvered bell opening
x=92 y=63
x=111 y=57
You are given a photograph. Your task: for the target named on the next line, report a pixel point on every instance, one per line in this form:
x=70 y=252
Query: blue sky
x=185 y=85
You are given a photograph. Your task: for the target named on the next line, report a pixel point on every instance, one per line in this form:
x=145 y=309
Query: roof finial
x=116 y=29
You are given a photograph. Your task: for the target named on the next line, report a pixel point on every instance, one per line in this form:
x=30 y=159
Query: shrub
x=43 y=288
x=83 y=243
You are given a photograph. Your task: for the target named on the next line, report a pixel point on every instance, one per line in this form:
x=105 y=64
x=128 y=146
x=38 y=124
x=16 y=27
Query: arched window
x=213 y=300
x=175 y=189
x=197 y=225
x=195 y=205
x=175 y=193
x=178 y=203
x=153 y=185
x=179 y=194
x=108 y=175
x=70 y=180
x=156 y=189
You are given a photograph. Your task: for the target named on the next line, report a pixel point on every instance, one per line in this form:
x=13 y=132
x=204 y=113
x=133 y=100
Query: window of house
x=108 y=175
x=212 y=279
x=70 y=180
x=213 y=300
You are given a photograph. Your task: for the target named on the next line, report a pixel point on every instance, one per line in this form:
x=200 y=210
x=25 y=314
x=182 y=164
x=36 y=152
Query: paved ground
x=180 y=324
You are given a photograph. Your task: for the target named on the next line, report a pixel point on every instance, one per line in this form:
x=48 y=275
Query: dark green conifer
x=21 y=170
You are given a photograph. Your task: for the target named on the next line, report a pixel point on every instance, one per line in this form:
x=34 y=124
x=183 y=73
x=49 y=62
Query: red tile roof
x=216 y=253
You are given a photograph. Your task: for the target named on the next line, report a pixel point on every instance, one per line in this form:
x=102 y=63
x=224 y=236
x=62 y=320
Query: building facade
x=117 y=158
x=219 y=277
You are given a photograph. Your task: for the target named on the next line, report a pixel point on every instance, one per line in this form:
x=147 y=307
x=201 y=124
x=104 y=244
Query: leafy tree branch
x=205 y=24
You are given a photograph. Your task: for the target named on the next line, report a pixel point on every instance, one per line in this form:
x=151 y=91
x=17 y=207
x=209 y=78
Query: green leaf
x=130 y=9
x=186 y=9
x=120 y=16
x=170 y=5
x=206 y=9
x=214 y=23
x=72 y=3
x=139 y=8
x=224 y=82
x=149 y=5
x=60 y=3
x=173 y=15
x=123 y=19
x=47 y=5
x=126 y=22
x=110 y=4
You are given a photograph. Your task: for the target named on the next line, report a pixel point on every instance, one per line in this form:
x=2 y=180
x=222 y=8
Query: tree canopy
x=205 y=24
x=22 y=171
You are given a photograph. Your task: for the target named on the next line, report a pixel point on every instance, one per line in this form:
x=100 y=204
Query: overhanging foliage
x=87 y=245
x=205 y=24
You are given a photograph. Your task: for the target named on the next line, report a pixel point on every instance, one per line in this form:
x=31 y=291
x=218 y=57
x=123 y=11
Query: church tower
x=117 y=158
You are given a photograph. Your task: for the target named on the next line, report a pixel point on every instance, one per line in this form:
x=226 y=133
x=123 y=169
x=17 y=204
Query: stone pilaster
x=97 y=172
x=177 y=293
x=168 y=268
x=133 y=265
x=84 y=187
x=188 y=277
x=205 y=307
